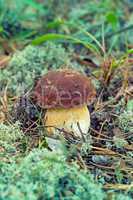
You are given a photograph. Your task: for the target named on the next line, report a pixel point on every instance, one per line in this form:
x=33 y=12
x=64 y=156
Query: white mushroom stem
x=72 y=120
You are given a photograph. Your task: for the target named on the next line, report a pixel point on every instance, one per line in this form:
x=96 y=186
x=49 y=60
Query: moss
x=31 y=62
x=113 y=196
x=9 y=137
x=46 y=175
x=119 y=142
x=10 y=134
x=126 y=118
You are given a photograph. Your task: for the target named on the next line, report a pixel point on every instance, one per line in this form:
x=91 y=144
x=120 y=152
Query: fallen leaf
x=4 y=60
x=2 y=117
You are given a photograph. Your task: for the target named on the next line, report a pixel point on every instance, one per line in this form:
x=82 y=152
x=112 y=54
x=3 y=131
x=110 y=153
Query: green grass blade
x=52 y=36
x=130 y=51
x=34 y=5
x=95 y=40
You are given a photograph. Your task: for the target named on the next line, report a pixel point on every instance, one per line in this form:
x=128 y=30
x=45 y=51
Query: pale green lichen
x=30 y=63
x=119 y=142
x=10 y=133
x=46 y=175
x=126 y=118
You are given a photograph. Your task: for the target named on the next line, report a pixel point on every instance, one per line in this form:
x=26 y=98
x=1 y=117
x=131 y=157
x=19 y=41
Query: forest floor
x=95 y=38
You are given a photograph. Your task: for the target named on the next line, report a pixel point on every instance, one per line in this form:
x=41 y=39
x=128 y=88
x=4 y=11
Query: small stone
x=54 y=144
x=99 y=159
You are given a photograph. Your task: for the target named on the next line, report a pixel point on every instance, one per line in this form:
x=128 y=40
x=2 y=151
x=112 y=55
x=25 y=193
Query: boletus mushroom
x=65 y=94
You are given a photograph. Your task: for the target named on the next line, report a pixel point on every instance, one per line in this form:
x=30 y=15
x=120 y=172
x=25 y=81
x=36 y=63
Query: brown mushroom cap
x=64 y=89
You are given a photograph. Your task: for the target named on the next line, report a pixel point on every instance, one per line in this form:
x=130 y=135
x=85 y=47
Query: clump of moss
x=114 y=196
x=11 y=133
x=33 y=61
x=126 y=118
x=46 y=175
x=119 y=142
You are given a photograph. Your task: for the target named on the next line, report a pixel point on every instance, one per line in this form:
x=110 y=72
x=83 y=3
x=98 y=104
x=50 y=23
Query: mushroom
x=65 y=94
